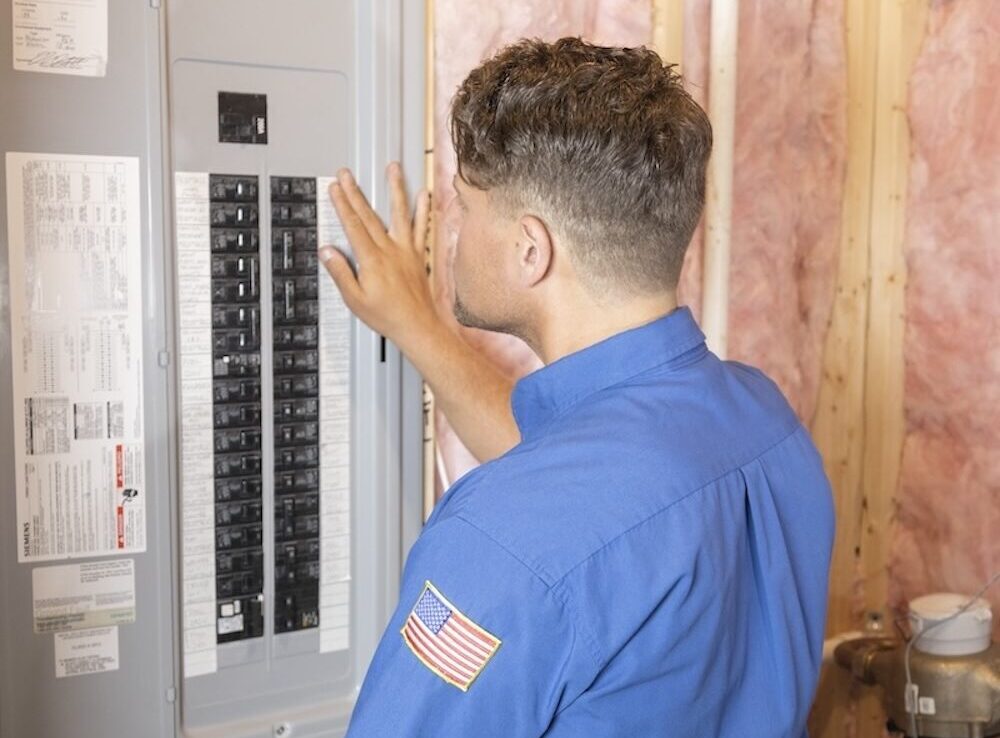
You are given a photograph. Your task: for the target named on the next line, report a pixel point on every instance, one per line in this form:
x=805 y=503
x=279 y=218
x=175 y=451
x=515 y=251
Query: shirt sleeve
x=435 y=671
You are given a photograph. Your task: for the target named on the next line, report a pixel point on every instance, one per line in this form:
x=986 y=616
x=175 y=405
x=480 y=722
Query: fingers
x=355 y=229
x=399 y=202
x=362 y=210
x=421 y=221
x=343 y=276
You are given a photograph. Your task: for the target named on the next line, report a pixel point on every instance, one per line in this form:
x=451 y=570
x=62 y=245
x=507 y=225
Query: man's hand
x=392 y=295
x=391 y=292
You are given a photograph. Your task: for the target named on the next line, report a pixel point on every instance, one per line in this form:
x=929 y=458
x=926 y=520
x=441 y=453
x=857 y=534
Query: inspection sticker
x=78 y=596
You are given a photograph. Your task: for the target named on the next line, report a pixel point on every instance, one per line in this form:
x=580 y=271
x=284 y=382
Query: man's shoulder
x=551 y=510
x=616 y=460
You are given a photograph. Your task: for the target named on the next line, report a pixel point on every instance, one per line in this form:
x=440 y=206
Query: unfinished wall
x=947 y=528
x=789 y=158
x=788 y=183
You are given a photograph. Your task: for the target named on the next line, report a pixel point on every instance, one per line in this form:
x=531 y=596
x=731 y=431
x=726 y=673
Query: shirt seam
x=554 y=588
x=469 y=481
x=737 y=467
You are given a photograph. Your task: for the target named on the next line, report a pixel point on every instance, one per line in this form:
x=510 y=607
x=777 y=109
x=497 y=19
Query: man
x=645 y=552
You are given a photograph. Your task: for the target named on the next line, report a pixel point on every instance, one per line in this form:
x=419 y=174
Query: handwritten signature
x=57 y=60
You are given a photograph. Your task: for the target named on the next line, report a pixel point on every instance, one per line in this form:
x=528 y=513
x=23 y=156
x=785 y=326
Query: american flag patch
x=446 y=641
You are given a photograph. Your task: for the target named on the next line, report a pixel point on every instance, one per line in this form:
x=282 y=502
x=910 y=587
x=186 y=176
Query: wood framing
x=838 y=426
x=859 y=424
x=668 y=31
x=430 y=441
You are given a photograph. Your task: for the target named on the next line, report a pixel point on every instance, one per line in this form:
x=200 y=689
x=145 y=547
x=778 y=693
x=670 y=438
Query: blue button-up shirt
x=652 y=559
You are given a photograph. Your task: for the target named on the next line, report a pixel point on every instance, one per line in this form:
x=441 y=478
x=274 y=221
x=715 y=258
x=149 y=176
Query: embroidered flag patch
x=446 y=641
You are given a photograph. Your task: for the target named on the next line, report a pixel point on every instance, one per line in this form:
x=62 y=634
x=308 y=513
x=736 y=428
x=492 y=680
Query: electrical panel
x=263 y=494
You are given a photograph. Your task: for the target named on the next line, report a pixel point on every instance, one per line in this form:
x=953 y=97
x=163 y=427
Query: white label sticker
x=79 y=596
x=197 y=490
x=61 y=36
x=335 y=438
x=233 y=624
x=73 y=226
x=86 y=651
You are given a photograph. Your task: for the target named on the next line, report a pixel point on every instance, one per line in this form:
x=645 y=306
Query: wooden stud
x=838 y=425
x=430 y=442
x=860 y=423
x=668 y=31
x=901 y=31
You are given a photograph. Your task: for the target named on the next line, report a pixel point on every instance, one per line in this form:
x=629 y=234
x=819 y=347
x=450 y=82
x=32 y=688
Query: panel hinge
x=171 y=694
x=163 y=358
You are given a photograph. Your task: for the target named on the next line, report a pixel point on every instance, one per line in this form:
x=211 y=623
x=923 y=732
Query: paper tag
x=61 y=37
x=80 y=596
x=86 y=651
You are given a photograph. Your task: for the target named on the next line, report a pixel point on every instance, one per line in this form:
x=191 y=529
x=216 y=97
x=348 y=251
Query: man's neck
x=574 y=327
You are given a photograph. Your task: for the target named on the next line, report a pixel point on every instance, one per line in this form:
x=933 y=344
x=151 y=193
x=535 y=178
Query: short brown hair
x=605 y=141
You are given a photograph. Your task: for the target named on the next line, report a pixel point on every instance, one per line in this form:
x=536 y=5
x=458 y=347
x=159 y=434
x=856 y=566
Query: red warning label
x=121 y=526
x=119 y=471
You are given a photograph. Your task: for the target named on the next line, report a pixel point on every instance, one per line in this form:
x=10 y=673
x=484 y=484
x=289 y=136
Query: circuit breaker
x=236 y=406
x=296 y=409
x=224 y=465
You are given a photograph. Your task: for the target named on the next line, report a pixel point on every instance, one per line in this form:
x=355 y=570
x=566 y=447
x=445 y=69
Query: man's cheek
x=458 y=268
x=463 y=254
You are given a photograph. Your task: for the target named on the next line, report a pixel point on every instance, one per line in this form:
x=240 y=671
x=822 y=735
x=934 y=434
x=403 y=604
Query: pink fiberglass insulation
x=947 y=528
x=790 y=152
x=465 y=33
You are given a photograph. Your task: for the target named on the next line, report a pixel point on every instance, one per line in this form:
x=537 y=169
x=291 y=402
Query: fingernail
x=325 y=254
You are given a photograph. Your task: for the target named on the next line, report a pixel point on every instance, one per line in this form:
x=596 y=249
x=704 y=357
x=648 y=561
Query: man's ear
x=534 y=250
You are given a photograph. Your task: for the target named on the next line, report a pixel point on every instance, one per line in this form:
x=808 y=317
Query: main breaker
x=211 y=470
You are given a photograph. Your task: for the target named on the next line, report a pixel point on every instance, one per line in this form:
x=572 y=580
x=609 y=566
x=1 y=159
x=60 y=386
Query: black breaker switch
x=239 y=549
x=295 y=293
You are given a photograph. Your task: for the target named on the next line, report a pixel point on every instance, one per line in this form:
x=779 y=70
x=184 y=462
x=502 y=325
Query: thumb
x=343 y=275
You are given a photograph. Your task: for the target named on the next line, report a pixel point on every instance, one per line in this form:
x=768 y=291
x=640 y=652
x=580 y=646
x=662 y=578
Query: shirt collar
x=544 y=394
